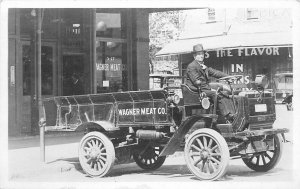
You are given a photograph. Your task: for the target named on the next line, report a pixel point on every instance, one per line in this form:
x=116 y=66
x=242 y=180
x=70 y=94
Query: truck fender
x=190 y=124
x=100 y=126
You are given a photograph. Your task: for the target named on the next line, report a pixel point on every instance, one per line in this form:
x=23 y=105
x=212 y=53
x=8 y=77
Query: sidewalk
x=26 y=162
x=51 y=138
x=24 y=159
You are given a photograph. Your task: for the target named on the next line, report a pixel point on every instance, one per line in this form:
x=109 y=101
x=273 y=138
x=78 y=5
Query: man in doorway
x=199 y=77
x=76 y=85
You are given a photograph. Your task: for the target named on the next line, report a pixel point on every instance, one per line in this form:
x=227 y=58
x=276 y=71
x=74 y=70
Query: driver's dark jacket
x=195 y=72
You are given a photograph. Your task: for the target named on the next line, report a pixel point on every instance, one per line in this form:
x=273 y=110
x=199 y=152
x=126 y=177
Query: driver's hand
x=203 y=66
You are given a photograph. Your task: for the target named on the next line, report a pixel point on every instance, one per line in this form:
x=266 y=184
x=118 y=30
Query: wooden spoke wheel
x=148 y=158
x=206 y=154
x=265 y=161
x=96 y=154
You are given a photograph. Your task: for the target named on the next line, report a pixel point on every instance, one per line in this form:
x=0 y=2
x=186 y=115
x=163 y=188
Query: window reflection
x=111 y=53
x=109 y=25
x=73 y=75
x=26 y=69
x=46 y=70
x=111 y=67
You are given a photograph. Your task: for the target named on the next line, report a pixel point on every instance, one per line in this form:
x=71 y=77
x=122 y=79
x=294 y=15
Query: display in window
x=110 y=66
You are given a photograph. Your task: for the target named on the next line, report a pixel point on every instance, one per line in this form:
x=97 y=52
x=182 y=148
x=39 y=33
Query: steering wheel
x=231 y=78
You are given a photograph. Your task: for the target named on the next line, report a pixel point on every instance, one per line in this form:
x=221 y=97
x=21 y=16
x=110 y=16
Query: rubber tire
x=224 y=151
x=110 y=151
x=272 y=163
x=157 y=163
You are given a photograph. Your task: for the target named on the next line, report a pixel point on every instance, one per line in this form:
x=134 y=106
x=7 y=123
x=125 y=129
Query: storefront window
x=110 y=25
x=111 y=66
x=29 y=16
x=111 y=53
x=47 y=70
x=27 y=61
x=285 y=82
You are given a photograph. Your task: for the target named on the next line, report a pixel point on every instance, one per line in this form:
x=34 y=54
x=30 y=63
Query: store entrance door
x=73 y=69
x=28 y=107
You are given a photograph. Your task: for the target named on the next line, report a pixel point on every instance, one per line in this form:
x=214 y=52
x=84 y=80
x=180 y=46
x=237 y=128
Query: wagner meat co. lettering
x=142 y=111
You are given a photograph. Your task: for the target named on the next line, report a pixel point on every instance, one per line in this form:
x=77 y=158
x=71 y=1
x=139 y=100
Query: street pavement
x=62 y=163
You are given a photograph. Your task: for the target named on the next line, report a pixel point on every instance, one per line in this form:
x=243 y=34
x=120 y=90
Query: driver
x=198 y=76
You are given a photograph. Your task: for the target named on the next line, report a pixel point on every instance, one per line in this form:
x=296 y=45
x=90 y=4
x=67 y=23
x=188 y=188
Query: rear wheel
x=265 y=161
x=148 y=158
x=206 y=154
x=96 y=154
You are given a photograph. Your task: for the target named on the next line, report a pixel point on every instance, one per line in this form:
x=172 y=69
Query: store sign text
x=142 y=111
x=258 y=51
x=110 y=67
x=239 y=68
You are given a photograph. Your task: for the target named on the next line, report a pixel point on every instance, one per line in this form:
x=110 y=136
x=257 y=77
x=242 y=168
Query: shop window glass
x=47 y=70
x=285 y=83
x=49 y=23
x=111 y=66
x=27 y=61
x=289 y=82
x=26 y=21
x=109 y=25
x=111 y=53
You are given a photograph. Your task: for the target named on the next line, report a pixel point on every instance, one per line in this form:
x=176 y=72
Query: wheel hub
x=94 y=153
x=204 y=154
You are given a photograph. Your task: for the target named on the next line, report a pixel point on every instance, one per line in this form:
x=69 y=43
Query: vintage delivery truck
x=149 y=125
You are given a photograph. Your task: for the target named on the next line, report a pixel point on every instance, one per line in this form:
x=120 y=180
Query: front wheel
x=96 y=154
x=265 y=161
x=206 y=154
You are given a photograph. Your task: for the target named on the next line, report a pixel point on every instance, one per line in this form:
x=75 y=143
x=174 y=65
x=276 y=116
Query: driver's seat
x=190 y=97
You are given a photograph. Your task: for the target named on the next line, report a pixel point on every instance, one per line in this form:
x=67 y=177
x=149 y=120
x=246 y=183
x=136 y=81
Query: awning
x=230 y=41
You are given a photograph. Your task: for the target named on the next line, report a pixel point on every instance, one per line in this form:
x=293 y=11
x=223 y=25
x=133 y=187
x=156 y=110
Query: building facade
x=108 y=51
x=105 y=49
x=240 y=41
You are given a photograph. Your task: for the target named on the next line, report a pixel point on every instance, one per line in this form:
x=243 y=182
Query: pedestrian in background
x=76 y=86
